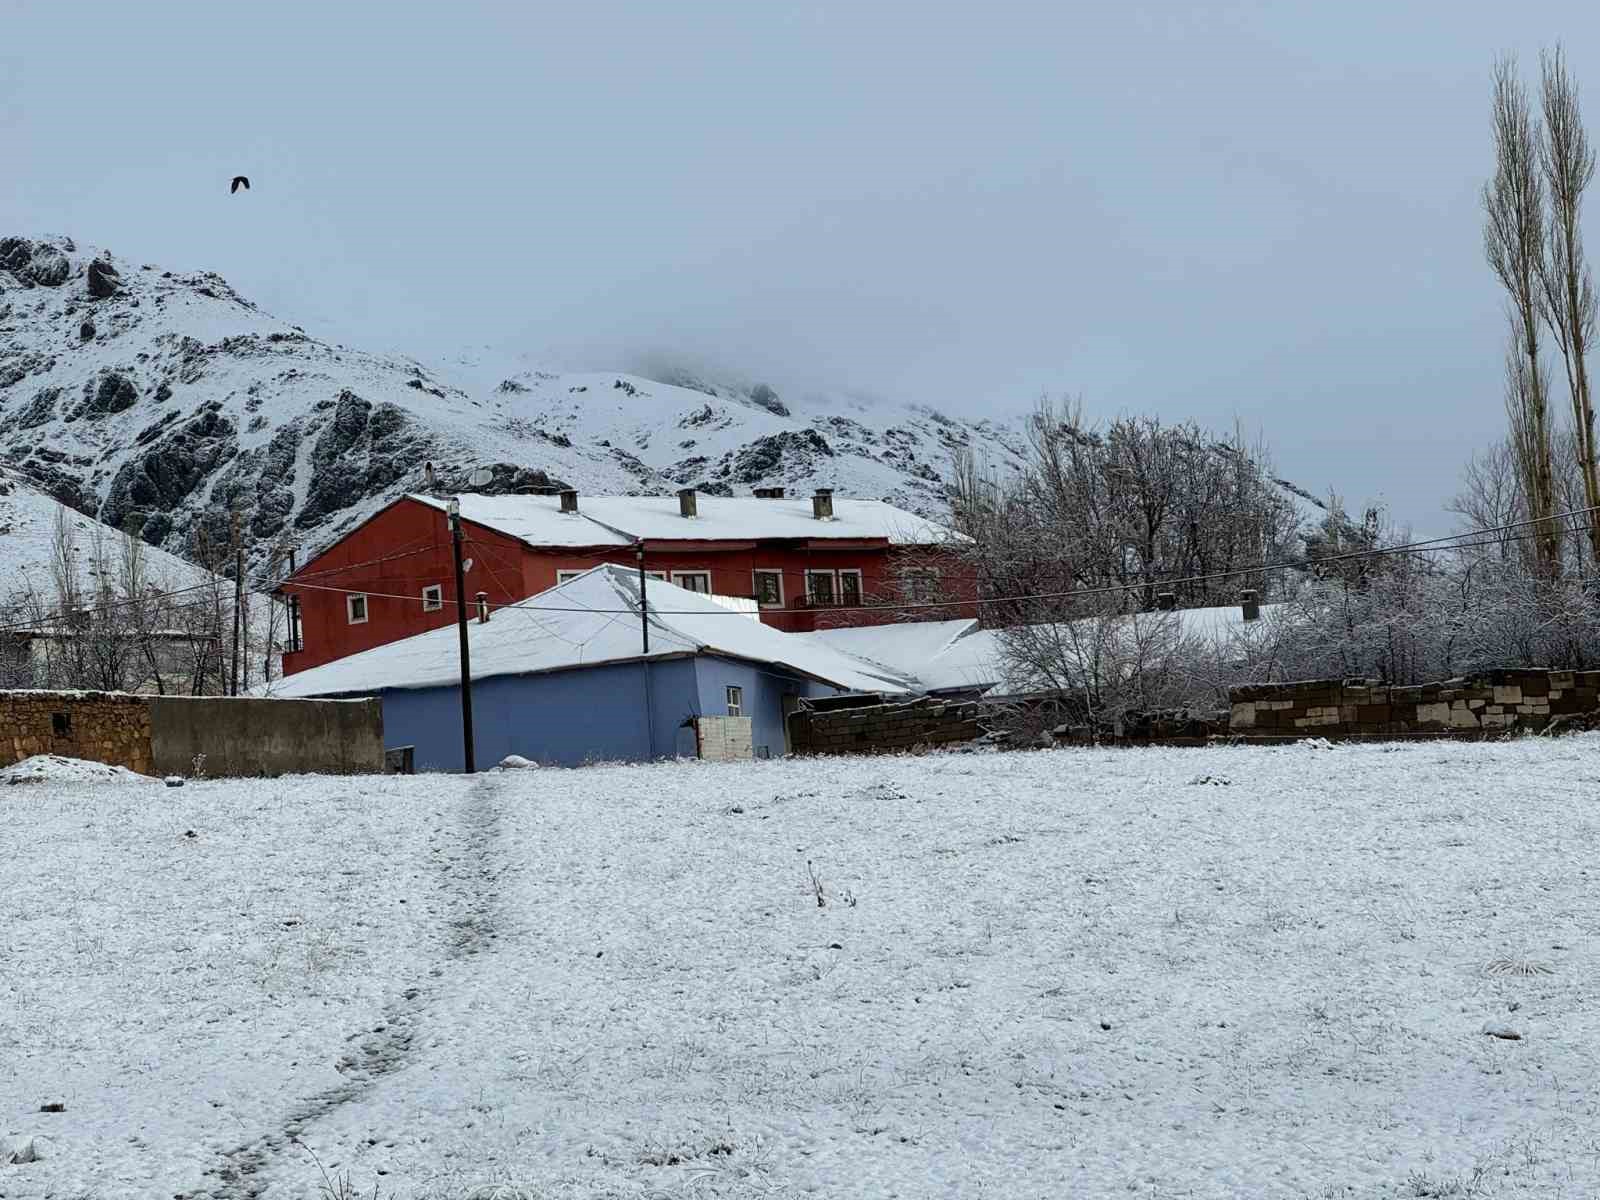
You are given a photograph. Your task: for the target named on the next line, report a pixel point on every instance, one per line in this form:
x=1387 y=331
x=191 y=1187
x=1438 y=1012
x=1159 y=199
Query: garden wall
x=873 y=727
x=1495 y=702
x=108 y=727
x=168 y=735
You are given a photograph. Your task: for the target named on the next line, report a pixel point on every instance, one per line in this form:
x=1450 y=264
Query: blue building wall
x=563 y=718
x=629 y=712
x=764 y=690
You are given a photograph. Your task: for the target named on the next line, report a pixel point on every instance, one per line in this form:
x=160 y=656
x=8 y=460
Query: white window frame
x=756 y=591
x=350 y=608
x=735 y=697
x=658 y=576
x=679 y=576
x=833 y=587
x=567 y=576
x=433 y=597
x=860 y=588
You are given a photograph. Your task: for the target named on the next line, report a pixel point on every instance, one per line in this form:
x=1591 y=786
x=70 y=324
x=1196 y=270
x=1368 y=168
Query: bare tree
x=1567 y=296
x=1514 y=244
x=1127 y=511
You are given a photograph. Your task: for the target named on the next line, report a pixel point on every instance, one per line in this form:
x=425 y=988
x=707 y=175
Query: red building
x=810 y=563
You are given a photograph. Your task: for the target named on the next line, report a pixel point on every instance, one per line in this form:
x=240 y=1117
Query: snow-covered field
x=1161 y=973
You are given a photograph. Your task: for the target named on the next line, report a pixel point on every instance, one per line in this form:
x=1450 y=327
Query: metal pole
x=469 y=757
x=644 y=603
x=238 y=601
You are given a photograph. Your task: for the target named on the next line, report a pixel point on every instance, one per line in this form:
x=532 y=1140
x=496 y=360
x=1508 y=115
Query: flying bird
x=239 y=181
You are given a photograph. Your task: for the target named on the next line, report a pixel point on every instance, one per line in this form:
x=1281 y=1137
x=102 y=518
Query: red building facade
x=809 y=564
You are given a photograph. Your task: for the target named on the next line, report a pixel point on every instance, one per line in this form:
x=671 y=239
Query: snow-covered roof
x=938 y=655
x=619 y=520
x=946 y=655
x=586 y=621
x=537 y=520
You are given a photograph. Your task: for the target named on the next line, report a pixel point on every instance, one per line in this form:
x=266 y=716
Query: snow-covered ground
x=1152 y=973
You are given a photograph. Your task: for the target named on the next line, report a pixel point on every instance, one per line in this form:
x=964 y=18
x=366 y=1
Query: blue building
x=565 y=678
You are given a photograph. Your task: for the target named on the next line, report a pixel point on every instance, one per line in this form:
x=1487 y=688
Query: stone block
x=1509 y=694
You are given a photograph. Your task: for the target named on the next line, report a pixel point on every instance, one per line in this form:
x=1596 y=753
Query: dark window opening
x=61 y=724
x=769 y=588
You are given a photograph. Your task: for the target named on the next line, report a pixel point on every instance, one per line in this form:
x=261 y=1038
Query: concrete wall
x=108 y=727
x=240 y=736
x=1495 y=702
x=886 y=728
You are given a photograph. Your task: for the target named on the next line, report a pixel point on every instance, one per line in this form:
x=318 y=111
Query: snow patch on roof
x=620 y=520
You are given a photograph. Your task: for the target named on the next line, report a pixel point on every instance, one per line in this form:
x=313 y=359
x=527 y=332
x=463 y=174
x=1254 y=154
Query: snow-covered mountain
x=131 y=391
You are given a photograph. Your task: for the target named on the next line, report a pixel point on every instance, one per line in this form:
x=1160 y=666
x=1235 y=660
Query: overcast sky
x=1255 y=211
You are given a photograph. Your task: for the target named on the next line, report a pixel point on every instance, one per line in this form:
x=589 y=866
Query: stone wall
x=1492 y=703
x=108 y=727
x=884 y=728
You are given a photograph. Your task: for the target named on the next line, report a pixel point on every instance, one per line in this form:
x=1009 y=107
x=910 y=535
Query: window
x=433 y=597
x=355 y=608
x=919 y=585
x=820 y=588
x=566 y=576
x=61 y=723
x=735 y=701
x=769 y=589
x=660 y=576
x=850 y=588
x=693 y=581
x=297 y=638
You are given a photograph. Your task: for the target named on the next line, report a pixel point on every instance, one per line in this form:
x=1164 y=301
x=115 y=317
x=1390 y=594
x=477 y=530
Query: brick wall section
x=1492 y=703
x=108 y=727
x=885 y=728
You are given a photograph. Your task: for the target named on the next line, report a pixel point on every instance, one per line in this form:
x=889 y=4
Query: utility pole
x=644 y=603
x=238 y=602
x=469 y=757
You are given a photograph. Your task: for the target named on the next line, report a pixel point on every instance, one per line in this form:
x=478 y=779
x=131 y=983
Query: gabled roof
x=619 y=520
x=586 y=621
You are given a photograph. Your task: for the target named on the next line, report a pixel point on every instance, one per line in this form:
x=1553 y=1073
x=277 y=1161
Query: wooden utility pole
x=469 y=755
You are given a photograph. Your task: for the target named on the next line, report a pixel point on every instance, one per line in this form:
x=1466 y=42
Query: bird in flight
x=239 y=181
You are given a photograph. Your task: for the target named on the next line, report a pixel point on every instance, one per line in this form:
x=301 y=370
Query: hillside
x=127 y=390
x=28 y=524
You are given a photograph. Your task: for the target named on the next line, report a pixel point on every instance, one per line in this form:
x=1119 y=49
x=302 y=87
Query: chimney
x=430 y=483
x=769 y=493
x=688 y=506
x=1166 y=601
x=822 y=504
x=569 y=501
x=1250 y=605
x=483 y=608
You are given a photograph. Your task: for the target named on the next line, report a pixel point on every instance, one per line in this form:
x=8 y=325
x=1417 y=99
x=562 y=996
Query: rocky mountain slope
x=132 y=392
